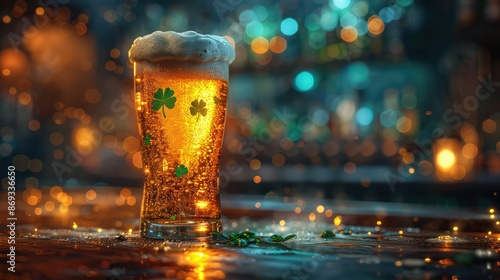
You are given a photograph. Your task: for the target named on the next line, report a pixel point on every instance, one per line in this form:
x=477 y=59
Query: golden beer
x=181 y=106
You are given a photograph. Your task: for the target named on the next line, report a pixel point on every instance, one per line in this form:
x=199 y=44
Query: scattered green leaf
x=278 y=238
x=172 y=217
x=220 y=235
x=239 y=242
x=162 y=99
x=147 y=139
x=180 y=170
x=246 y=238
x=327 y=234
x=198 y=108
x=291 y=236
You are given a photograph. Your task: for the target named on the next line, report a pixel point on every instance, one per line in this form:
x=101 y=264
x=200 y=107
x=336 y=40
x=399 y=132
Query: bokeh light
x=341 y=4
x=254 y=29
x=289 y=26
x=304 y=81
x=277 y=44
x=489 y=126
x=375 y=25
x=349 y=34
x=364 y=116
x=260 y=45
x=358 y=75
x=446 y=159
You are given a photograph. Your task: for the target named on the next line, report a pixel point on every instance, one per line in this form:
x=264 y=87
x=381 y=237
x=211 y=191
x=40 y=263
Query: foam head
x=185 y=46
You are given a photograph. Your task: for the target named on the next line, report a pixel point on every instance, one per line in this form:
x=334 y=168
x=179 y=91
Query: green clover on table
x=198 y=108
x=162 y=99
x=180 y=170
x=327 y=234
x=246 y=238
x=147 y=139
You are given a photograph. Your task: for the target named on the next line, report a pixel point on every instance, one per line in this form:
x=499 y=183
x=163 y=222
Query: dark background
x=358 y=105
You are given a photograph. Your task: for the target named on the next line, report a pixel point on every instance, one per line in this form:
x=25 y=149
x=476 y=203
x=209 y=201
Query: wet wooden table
x=72 y=234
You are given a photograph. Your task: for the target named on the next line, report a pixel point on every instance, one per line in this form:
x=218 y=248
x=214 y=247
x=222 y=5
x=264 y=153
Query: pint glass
x=180 y=84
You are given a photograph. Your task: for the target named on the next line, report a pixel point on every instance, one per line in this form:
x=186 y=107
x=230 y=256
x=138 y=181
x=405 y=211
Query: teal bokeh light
x=387 y=14
x=247 y=16
x=405 y=3
x=360 y=9
x=358 y=75
x=289 y=26
x=362 y=27
x=260 y=12
x=329 y=20
x=254 y=29
x=304 y=81
x=341 y=4
x=388 y=118
x=364 y=116
x=348 y=19
x=313 y=22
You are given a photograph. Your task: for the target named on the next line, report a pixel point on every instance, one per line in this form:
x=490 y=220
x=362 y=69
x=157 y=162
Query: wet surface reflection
x=89 y=254
x=368 y=240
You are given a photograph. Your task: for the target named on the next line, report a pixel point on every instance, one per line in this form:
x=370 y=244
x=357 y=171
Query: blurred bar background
x=390 y=101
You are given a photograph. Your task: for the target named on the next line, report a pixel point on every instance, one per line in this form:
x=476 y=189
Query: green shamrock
x=279 y=238
x=327 y=234
x=147 y=139
x=246 y=238
x=198 y=108
x=180 y=170
x=164 y=99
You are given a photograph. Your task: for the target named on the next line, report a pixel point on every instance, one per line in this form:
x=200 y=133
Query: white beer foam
x=185 y=46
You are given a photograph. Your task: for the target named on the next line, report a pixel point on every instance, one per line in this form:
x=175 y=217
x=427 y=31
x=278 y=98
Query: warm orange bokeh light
x=278 y=44
x=446 y=159
x=375 y=25
x=260 y=45
x=24 y=98
x=489 y=126
x=257 y=179
x=349 y=34
x=90 y=194
x=337 y=221
x=40 y=11
x=84 y=136
x=469 y=151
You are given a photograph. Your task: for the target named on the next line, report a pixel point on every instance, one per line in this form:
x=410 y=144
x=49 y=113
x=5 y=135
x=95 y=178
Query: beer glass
x=180 y=84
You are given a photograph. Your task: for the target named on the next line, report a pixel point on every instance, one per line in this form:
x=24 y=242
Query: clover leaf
x=327 y=234
x=279 y=238
x=198 y=108
x=180 y=170
x=163 y=98
x=246 y=238
x=147 y=139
